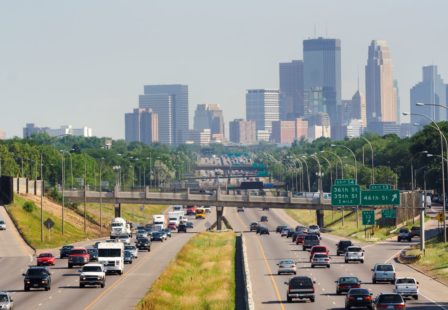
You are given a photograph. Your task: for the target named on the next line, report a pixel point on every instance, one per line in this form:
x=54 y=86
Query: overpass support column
x=320 y=218
x=219 y=213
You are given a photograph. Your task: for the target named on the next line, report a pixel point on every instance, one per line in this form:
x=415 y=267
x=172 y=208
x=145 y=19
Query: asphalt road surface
x=121 y=292
x=269 y=290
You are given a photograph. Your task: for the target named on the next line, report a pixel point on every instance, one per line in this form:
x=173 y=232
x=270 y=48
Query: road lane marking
x=434 y=302
x=270 y=274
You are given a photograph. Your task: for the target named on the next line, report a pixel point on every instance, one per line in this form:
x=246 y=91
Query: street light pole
x=373 y=166
x=101 y=195
x=354 y=158
x=63 y=186
x=41 y=199
x=307 y=174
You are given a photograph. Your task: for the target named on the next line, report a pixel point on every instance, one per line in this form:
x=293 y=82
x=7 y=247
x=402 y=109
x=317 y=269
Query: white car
x=354 y=254
x=287 y=266
x=133 y=249
x=407 y=287
x=125 y=239
x=320 y=259
x=92 y=274
x=314 y=229
x=2 y=226
x=6 y=301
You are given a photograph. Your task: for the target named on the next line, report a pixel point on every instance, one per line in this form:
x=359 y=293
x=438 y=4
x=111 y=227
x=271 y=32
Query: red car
x=191 y=210
x=321 y=249
x=172 y=226
x=46 y=259
x=300 y=238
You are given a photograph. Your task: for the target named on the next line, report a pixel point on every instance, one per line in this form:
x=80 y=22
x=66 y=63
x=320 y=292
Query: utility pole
x=41 y=200
x=85 y=193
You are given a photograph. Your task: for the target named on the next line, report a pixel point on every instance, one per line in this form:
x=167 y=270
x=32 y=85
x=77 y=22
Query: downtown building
x=242 y=132
x=142 y=126
x=291 y=90
x=262 y=106
x=170 y=102
x=381 y=94
x=210 y=116
x=322 y=83
x=431 y=90
x=65 y=130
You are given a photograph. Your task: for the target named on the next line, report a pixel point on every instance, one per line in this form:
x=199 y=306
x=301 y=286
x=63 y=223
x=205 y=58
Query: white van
x=111 y=255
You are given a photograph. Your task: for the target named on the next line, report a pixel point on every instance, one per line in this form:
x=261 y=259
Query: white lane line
x=434 y=302
x=393 y=256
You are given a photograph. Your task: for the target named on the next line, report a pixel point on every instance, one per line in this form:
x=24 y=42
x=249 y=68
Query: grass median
x=202 y=276
x=435 y=260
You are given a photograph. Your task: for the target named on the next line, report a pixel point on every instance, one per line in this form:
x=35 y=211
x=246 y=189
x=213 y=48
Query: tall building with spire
x=381 y=104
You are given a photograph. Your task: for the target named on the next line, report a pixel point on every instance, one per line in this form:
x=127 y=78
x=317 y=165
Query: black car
x=182 y=228
x=342 y=246
x=280 y=228
x=65 y=250
x=389 y=301
x=167 y=232
x=300 y=228
x=157 y=236
x=37 y=277
x=358 y=297
x=128 y=257
x=264 y=218
x=263 y=231
x=290 y=233
x=143 y=244
x=253 y=226
x=93 y=252
x=344 y=284
x=300 y=287
x=190 y=225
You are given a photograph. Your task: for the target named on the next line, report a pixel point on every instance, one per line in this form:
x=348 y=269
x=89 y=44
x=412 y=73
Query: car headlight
x=44 y=281
x=27 y=281
x=99 y=277
x=83 y=278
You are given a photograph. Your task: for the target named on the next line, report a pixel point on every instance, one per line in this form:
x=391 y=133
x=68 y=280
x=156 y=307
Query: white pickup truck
x=407 y=287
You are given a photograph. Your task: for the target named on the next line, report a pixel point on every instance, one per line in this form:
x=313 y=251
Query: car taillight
x=368 y=298
x=402 y=306
x=351 y=298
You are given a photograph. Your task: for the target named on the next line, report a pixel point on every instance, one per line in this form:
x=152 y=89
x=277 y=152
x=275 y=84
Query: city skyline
x=50 y=77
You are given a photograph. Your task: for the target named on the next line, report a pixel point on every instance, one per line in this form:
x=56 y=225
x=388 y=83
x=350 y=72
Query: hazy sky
x=85 y=62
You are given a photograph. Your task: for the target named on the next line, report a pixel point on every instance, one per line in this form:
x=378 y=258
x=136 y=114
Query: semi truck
x=159 y=221
x=119 y=227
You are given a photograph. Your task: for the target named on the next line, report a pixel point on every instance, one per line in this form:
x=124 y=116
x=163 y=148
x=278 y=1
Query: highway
x=121 y=292
x=269 y=290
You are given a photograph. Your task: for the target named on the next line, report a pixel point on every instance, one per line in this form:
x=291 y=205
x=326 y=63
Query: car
x=93 y=253
x=207 y=209
x=45 y=259
x=167 y=232
x=37 y=277
x=128 y=257
x=284 y=232
x=280 y=228
x=319 y=249
x=415 y=231
x=191 y=210
x=404 y=234
x=265 y=209
x=383 y=273
x=78 y=256
x=342 y=246
x=359 y=297
x=344 y=284
x=253 y=226
x=286 y=266
x=320 y=259
x=92 y=274
x=389 y=301
x=172 y=226
x=309 y=241
x=2 y=224
x=407 y=287
x=264 y=230
x=6 y=301
x=354 y=254
x=300 y=237
x=300 y=228
x=300 y=287
x=65 y=250
x=125 y=239
x=158 y=236
x=240 y=209
x=182 y=228
x=264 y=218
x=133 y=249
x=190 y=224
x=314 y=229
x=290 y=233
x=143 y=244
x=141 y=233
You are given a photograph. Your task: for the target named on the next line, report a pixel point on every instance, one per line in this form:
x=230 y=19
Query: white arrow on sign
x=394 y=196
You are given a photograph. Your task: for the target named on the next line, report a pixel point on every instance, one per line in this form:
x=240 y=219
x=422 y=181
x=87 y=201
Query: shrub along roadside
x=201 y=277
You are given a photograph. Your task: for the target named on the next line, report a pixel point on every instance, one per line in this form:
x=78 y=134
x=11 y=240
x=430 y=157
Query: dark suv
x=143 y=244
x=300 y=288
x=253 y=226
x=37 y=277
x=65 y=251
x=182 y=228
x=342 y=246
x=309 y=241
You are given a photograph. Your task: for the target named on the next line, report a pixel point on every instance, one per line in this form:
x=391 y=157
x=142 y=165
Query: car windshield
x=127 y=253
x=37 y=272
x=345 y=243
x=314 y=227
x=301 y=282
x=157 y=234
x=311 y=237
x=358 y=291
x=91 y=269
x=77 y=252
x=390 y=298
x=117 y=224
x=349 y=280
x=384 y=268
x=3 y=297
x=67 y=247
x=353 y=249
x=319 y=249
x=404 y=230
x=46 y=255
x=93 y=251
x=109 y=252
x=2 y=222
x=287 y=262
x=406 y=281
x=319 y=255
x=129 y=247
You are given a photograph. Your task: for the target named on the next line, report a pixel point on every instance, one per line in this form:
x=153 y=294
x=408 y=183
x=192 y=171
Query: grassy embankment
x=201 y=277
x=30 y=227
x=349 y=229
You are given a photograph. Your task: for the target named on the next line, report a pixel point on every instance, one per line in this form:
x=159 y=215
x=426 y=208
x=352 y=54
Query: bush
x=29 y=206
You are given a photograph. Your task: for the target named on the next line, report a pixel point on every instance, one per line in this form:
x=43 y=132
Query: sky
x=84 y=62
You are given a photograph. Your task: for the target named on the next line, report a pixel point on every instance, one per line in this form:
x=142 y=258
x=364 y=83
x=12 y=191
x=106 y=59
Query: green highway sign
x=368 y=217
x=380 y=187
x=345 y=195
x=380 y=197
x=389 y=213
x=345 y=182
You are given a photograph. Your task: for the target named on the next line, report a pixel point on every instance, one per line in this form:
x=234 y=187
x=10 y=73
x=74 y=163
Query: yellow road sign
x=440 y=216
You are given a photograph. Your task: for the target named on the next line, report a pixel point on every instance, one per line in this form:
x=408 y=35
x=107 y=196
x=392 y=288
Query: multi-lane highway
x=269 y=290
x=121 y=292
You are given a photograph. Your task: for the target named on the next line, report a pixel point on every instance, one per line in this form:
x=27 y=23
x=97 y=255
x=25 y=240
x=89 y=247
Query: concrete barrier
x=248 y=285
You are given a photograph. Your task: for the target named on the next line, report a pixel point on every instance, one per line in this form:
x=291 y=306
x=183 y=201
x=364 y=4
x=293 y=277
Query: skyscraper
x=322 y=72
x=430 y=90
x=359 y=107
x=179 y=108
x=381 y=102
x=141 y=125
x=243 y=132
x=162 y=104
x=291 y=90
x=262 y=106
x=209 y=116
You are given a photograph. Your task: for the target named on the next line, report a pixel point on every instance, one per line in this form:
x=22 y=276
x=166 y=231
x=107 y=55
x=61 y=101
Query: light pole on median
x=373 y=165
x=354 y=158
x=307 y=173
x=340 y=161
x=63 y=186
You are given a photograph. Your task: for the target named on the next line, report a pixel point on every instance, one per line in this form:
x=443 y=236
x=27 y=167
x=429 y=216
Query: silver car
x=2 y=226
x=125 y=239
x=383 y=273
x=133 y=249
x=354 y=253
x=6 y=301
x=287 y=266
